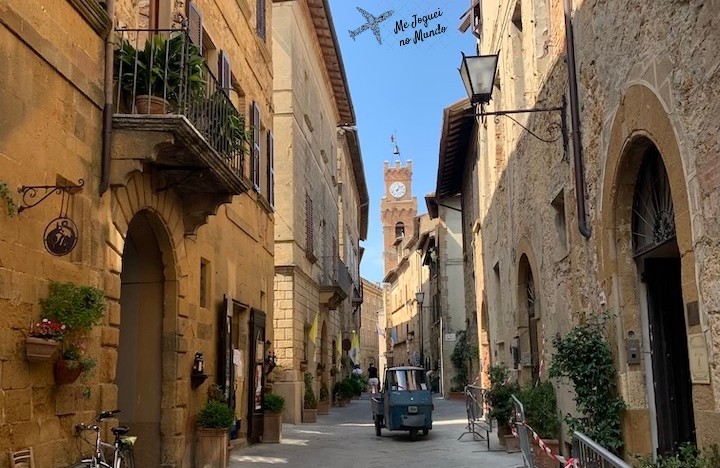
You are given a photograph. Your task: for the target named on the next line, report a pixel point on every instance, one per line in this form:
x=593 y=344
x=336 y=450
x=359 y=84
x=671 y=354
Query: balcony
x=172 y=118
x=357 y=296
x=336 y=284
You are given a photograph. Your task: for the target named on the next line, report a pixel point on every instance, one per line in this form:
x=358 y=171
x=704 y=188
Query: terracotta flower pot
x=542 y=459
x=67 y=372
x=146 y=104
x=40 y=349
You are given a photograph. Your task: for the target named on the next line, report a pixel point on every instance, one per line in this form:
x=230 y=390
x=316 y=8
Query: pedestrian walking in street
x=373 y=378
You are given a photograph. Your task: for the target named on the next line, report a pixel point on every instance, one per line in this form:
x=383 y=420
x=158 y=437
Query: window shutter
x=308 y=223
x=271 y=169
x=260 y=13
x=225 y=73
x=195 y=25
x=255 y=161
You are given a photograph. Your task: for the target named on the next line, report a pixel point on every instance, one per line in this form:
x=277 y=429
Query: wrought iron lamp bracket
x=552 y=128
x=31 y=198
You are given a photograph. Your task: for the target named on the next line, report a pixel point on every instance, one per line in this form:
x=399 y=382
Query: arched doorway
x=139 y=370
x=656 y=253
x=527 y=323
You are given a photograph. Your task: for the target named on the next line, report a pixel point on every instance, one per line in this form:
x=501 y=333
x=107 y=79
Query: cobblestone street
x=346 y=438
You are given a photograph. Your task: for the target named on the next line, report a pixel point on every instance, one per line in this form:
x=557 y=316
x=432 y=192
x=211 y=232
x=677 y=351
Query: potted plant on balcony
x=44 y=339
x=272 y=418
x=155 y=74
x=214 y=422
x=310 y=403
x=541 y=415
x=324 y=402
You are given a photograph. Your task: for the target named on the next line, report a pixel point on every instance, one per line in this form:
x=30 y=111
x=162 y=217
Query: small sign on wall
x=450 y=336
x=699 y=368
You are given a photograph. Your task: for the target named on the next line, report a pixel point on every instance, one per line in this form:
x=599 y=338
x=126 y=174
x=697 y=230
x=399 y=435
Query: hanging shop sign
x=61 y=234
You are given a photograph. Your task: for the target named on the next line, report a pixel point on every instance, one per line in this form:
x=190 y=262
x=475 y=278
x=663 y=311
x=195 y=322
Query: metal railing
x=475 y=403
x=519 y=419
x=590 y=454
x=161 y=71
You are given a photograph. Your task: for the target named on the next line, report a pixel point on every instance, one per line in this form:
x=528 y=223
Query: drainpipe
x=107 y=108
x=575 y=119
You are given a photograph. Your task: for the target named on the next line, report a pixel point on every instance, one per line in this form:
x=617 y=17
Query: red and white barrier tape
x=567 y=462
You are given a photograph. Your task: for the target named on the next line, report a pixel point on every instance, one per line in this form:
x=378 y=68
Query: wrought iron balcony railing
x=162 y=72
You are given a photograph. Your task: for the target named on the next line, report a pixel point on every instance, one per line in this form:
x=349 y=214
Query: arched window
x=399 y=230
x=653 y=218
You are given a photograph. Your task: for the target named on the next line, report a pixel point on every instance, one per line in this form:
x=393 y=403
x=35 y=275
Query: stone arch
x=528 y=318
x=641 y=122
x=162 y=213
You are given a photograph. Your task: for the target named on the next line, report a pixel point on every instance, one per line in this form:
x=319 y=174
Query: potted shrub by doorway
x=500 y=399
x=310 y=403
x=540 y=407
x=214 y=422
x=344 y=391
x=324 y=401
x=272 y=418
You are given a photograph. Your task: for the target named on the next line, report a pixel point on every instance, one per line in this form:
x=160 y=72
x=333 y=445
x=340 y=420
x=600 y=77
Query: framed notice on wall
x=697 y=350
x=259 y=351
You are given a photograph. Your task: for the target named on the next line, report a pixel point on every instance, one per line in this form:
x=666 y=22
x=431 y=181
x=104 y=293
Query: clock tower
x=398 y=209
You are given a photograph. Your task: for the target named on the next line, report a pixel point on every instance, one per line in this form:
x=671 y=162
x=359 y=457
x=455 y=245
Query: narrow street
x=346 y=438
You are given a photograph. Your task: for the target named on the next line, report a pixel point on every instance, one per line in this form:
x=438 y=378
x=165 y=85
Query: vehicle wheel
x=425 y=431
x=413 y=434
x=378 y=431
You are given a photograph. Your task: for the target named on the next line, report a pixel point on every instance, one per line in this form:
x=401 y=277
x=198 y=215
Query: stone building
x=624 y=221
x=406 y=327
x=174 y=220
x=446 y=318
x=372 y=342
x=322 y=200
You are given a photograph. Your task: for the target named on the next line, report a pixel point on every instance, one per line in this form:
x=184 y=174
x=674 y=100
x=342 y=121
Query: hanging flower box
x=67 y=372
x=40 y=349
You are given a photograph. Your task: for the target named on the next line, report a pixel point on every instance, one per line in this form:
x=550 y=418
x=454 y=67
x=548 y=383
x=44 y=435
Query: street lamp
x=420 y=297
x=478 y=74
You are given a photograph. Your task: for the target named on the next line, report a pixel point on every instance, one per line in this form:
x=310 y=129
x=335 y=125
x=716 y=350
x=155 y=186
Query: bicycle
x=122 y=447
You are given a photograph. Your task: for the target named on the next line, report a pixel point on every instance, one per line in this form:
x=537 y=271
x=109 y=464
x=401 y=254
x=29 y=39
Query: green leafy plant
x=309 y=400
x=324 y=392
x=359 y=383
x=461 y=357
x=216 y=415
x=334 y=371
x=585 y=358
x=274 y=402
x=225 y=125
x=540 y=406
x=5 y=195
x=161 y=67
x=500 y=394
x=687 y=457
x=346 y=363
x=344 y=389
x=79 y=308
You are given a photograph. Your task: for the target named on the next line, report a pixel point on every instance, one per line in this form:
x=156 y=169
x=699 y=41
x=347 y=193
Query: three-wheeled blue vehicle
x=405 y=402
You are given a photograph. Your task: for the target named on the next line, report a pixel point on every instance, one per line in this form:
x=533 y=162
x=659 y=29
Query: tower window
x=399 y=230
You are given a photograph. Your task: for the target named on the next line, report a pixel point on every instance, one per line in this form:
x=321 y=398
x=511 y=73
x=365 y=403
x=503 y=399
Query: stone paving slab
x=346 y=438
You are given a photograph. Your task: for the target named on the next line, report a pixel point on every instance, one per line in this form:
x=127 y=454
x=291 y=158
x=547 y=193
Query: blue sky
x=402 y=90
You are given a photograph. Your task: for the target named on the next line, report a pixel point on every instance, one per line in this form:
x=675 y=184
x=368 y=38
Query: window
x=195 y=25
x=204 y=282
x=224 y=73
x=308 y=225
x=270 y=169
x=255 y=124
x=261 y=19
x=559 y=204
x=399 y=230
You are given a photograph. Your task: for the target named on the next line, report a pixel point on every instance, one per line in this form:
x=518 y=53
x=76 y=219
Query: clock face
x=397 y=189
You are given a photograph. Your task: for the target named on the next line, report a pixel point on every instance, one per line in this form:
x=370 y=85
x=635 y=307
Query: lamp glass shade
x=420 y=297
x=478 y=75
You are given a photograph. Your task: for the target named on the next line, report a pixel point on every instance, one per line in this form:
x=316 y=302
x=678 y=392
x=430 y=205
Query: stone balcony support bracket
x=177 y=156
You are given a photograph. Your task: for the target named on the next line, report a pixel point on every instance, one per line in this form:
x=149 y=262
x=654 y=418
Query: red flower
x=49 y=329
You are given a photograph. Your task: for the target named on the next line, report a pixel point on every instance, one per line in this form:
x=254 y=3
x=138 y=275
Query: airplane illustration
x=372 y=23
